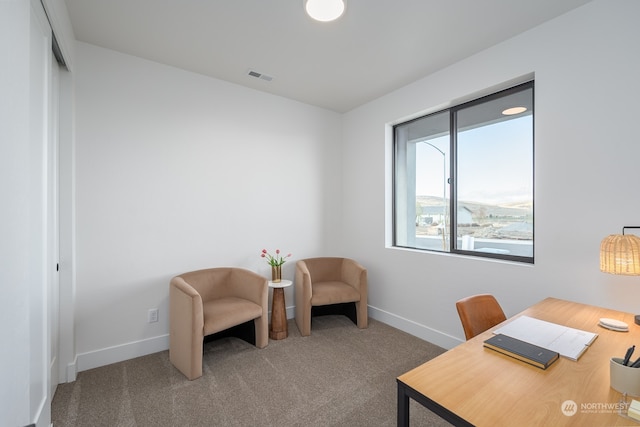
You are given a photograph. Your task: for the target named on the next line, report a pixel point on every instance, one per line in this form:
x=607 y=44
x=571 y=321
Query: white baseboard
x=291 y=312
x=119 y=353
x=416 y=329
x=43 y=412
x=72 y=370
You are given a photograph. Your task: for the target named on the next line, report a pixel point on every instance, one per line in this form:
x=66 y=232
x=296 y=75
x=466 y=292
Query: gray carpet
x=338 y=376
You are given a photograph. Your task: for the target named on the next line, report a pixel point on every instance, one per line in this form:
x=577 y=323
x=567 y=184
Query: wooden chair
x=479 y=313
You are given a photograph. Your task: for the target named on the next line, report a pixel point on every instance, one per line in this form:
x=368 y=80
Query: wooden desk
x=472 y=385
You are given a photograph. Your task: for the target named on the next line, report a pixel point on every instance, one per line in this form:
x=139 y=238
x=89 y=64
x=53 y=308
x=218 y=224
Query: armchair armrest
x=302 y=283
x=303 y=298
x=186 y=328
x=354 y=275
x=253 y=287
x=250 y=286
x=185 y=303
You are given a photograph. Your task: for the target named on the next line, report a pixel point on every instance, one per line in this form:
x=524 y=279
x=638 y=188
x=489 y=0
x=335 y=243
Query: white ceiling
x=375 y=47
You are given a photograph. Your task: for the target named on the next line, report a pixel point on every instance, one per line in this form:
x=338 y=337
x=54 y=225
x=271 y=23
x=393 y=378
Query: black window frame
x=453 y=168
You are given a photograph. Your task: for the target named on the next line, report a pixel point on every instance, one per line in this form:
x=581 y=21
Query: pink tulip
x=274 y=260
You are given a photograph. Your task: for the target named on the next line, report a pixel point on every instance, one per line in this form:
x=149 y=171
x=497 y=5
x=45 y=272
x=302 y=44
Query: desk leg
x=405 y=392
x=403 y=406
x=278 y=329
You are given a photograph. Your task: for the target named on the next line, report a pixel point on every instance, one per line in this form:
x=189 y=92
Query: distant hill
x=515 y=209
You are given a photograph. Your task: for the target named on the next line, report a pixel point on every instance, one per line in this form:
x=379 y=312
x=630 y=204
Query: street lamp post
x=444 y=194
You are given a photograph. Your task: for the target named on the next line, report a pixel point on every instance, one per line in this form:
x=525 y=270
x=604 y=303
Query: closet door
x=25 y=279
x=53 y=224
x=40 y=207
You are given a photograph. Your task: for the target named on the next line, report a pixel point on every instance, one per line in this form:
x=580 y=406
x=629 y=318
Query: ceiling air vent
x=260 y=76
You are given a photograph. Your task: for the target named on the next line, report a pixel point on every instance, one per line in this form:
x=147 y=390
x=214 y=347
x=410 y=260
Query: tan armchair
x=206 y=302
x=324 y=282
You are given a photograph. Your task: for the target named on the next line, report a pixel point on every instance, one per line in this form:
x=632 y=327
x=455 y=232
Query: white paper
x=568 y=342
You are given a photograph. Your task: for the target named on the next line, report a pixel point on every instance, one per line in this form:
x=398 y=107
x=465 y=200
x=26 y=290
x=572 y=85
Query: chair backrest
x=479 y=313
x=324 y=269
x=210 y=283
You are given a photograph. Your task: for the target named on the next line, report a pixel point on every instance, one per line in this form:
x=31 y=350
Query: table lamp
x=620 y=254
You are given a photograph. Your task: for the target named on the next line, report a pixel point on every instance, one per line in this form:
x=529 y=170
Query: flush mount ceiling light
x=514 y=110
x=324 y=10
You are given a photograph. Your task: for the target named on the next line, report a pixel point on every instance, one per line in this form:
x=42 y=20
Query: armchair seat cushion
x=325 y=293
x=223 y=313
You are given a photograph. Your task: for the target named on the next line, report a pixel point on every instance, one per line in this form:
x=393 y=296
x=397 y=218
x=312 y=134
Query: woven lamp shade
x=620 y=254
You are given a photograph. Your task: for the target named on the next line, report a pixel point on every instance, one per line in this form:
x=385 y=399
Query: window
x=463 y=178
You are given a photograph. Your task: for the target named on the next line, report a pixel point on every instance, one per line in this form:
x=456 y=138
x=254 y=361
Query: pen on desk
x=628 y=355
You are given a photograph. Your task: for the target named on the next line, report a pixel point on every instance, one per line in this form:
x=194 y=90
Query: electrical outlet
x=152 y=315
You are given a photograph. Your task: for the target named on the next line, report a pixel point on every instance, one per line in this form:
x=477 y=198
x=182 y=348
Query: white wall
x=176 y=172
x=586 y=174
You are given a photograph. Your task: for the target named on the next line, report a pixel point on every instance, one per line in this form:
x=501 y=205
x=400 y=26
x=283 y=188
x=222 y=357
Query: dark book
x=521 y=350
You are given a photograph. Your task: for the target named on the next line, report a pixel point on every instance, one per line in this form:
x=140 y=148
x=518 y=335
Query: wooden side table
x=278 y=329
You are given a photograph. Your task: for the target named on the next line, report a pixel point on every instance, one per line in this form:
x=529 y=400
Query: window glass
x=495 y=177
x=422 y=203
